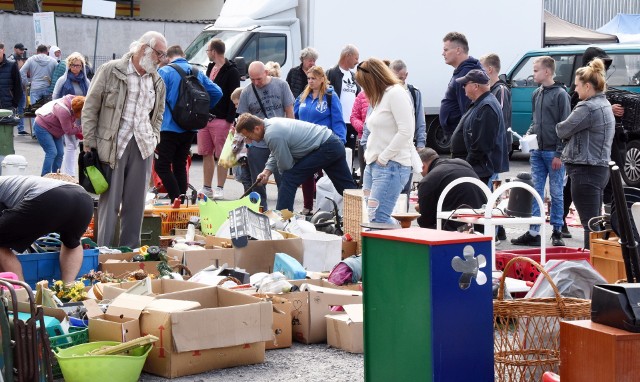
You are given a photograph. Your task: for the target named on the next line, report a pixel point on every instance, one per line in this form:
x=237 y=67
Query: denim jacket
x=588 y=132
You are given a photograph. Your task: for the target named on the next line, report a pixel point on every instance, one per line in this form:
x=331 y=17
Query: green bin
x=6 y=135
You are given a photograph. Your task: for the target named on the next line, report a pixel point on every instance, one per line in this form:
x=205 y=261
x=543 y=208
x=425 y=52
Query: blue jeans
x=587 y=184
x=541 y=168
x=330 y=157
x=21 y=105
x=36 y=94
x=383 y=184
x=256 y=160
x=53 y=149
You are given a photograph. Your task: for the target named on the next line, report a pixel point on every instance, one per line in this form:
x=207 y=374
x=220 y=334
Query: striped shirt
x=135 y=121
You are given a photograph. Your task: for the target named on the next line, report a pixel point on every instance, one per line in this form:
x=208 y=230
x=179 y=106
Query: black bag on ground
x=90 y=168
x=191 y=111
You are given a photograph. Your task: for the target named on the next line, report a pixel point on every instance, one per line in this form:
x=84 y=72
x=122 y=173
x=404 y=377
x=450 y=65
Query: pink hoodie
x=61 y=120
x=359 y=113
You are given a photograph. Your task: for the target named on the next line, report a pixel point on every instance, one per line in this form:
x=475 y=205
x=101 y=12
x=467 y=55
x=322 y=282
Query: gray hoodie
x=38 y=70
x=550 y=105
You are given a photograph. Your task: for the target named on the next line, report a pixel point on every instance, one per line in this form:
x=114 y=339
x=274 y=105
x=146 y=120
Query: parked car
x=624 y=73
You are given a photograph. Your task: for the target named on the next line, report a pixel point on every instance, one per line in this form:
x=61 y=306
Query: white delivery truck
x=411 y=30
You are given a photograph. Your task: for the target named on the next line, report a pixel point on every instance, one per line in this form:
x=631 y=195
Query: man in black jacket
x=211 y=139
x=437 y=173
x=10 y=83
x=342 y=78
x=297 y=77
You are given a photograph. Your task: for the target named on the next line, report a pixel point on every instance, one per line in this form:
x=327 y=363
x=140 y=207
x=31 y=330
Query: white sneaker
x=218 y=193
x=208 y=192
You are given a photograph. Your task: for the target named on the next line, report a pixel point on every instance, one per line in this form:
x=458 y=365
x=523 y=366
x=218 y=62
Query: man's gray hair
x=149 y=38
x=427 y=154
x=308 y=52
x=397 y=65
x=348 y=49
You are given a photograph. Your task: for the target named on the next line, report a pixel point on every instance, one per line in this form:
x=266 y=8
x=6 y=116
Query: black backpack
x=191 y=111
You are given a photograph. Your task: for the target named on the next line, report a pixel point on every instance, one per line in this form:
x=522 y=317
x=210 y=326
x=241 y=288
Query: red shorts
x=212 y=137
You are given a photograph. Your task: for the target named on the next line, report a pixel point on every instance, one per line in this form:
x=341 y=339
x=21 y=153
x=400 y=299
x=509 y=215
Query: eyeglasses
x=360 y=67
x=76 y=65
x=161 y=55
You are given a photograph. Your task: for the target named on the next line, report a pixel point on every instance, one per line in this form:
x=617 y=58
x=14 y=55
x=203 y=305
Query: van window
x=624 y=70
x=265 y=47
x=523 y=76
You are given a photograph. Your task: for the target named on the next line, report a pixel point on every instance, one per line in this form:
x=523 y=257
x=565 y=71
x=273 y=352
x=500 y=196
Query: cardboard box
x=161 y=287
x=349 y=248
x=321 y=251
x=345 y=330
x=120 y=263
x=197 y=260
x=282 y=329
x=311 y=306
x=120 y=322
x=229 y=329
x=259 y=255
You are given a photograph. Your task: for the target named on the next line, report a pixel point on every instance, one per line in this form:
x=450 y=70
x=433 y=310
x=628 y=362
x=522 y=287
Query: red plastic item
x=550 y=377
x=527 y=272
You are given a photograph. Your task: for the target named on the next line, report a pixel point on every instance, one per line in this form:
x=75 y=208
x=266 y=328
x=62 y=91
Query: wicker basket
x=527 y=331
x=352 y=215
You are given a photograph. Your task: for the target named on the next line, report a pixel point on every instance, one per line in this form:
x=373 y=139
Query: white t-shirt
x=347 y=94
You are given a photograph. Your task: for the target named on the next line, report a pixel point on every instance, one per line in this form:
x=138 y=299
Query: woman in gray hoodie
x=588 y=133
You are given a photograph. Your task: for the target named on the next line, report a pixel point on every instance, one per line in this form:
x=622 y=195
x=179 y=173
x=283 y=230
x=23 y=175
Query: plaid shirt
x=135 y=121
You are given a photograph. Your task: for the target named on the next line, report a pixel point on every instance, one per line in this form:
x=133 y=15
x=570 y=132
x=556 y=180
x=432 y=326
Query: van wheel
x=631 y=173
x=436 y=139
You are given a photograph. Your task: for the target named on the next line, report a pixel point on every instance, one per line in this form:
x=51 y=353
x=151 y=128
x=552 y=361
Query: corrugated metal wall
x=590 y=14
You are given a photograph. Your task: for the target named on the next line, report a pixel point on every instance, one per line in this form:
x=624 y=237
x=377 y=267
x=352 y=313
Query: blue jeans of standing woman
x=53 y=149
x=383 y=185
x=587 y=185
x=541 y=168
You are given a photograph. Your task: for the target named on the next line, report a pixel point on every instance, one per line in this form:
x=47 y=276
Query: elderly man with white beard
x=121 y=118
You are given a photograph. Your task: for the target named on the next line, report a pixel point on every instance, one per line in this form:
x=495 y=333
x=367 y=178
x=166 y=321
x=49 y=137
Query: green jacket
x=104 y=104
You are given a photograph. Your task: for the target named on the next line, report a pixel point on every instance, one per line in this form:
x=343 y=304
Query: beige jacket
x=104 y=104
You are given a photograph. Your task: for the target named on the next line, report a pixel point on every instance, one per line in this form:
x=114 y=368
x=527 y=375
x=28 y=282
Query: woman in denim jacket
x=588 y=133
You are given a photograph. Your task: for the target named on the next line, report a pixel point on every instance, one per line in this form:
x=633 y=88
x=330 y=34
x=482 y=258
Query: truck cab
x=624 y=74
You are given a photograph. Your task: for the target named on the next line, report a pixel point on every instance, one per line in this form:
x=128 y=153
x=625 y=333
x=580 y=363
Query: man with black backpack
x=190 y=96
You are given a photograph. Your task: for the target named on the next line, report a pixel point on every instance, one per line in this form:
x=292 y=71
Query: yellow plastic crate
x=175 y=217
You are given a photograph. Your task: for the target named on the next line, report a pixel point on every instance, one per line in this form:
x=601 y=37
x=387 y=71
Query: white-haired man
x=297 y=77
x=121 y=118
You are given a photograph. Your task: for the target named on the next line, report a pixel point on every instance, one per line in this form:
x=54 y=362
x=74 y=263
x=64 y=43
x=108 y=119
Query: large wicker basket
x=527 y=331
x=352 y=215
x=61 y=176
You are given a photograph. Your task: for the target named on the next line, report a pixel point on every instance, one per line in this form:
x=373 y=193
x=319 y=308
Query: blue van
x=624 y=73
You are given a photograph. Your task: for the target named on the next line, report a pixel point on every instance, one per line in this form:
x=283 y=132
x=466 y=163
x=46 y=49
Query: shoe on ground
x=305 y=212
x=206 y=191
x=527 y=239
x=565 y=232
x=22 y=133
x=502 y=235
x=218 y=193
x=556 y=239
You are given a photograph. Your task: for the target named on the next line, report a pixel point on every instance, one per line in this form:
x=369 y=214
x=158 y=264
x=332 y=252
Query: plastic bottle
x=191 y=233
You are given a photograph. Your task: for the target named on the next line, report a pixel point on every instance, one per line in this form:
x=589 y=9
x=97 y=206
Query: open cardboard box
x=120 y=263
x=310 y=307
x=282 y=329
x=120 y=323
x=259 y=255
x=159 y=287
x=229 y=329
x=197 y=260
x=345 y=330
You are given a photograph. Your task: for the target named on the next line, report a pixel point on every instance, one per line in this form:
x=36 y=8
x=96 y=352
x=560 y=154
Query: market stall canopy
x=561 y=32
x=626 y=26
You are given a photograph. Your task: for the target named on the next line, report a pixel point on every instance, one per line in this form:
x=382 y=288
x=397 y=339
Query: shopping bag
x=91 y=174
x=227 y=156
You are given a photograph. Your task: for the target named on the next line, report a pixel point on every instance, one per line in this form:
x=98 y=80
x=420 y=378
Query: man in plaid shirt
x=121 y=118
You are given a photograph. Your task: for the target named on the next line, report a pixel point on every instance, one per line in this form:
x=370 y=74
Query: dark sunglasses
x=360 y=67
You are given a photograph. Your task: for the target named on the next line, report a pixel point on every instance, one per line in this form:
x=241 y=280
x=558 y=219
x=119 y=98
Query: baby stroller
x=158 y=187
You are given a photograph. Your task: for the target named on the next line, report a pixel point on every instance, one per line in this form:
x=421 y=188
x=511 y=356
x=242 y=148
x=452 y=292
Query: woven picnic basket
x=61 y=176
x=527 y=330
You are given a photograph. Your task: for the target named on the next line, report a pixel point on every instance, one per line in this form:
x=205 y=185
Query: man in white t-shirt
x=342 y=78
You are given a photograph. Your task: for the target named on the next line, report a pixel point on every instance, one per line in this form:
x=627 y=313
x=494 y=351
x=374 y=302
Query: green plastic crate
x=76 y=336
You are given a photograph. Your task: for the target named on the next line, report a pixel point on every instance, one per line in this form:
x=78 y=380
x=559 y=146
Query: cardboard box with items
x=120 y=322
x=122 y=264
x=345 y=330
x=282 y=329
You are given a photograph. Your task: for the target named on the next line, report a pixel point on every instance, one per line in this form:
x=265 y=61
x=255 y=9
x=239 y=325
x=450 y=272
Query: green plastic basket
x=215 y=212
x=78 y=367
x=75 y=337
